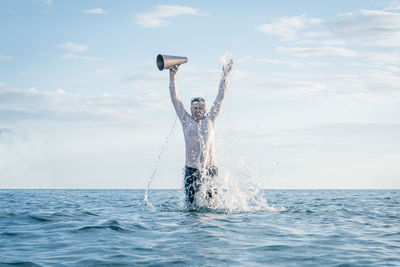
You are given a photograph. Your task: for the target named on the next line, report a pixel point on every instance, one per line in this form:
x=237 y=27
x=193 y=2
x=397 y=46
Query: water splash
x=236 y=193
x=157 y=164
x=226 y=61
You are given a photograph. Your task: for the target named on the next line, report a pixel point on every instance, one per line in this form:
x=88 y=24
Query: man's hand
x=172 y=72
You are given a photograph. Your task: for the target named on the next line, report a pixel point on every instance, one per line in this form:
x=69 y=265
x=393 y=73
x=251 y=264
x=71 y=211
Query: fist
x=173 y=70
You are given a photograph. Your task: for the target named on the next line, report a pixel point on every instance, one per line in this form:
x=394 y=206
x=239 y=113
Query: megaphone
x=166 y=62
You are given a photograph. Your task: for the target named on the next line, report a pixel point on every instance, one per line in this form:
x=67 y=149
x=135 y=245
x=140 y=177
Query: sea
x=156 y=228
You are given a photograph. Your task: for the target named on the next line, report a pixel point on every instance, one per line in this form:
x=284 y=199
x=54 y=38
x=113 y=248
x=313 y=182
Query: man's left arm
x=221 y=91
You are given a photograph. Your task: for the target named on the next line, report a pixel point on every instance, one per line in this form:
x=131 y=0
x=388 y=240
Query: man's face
x=198 y=110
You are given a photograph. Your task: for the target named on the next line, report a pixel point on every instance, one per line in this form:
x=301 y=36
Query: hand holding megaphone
x=167 y=62
x=172 y=71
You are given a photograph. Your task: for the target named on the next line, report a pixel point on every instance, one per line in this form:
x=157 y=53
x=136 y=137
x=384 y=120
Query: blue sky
x=313 y=101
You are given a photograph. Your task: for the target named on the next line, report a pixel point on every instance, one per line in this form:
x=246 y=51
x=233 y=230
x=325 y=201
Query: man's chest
x=198 y=130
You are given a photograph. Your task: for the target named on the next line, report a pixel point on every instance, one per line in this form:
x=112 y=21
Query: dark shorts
x=193 y=180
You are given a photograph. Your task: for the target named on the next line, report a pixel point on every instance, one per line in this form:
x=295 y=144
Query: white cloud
x=289 y=27
x=291 y=89
x=331 y=42
x=316 y=34
x=105 y=71
x=156 y=17
x=98 y=11
x=343 y=136
x=317 y=51
x=327 y=42
x=21 y=156
x=76 y=48
x=379 y=87
x=346 y=136
x=293 y=63
x=59 y=105
x=366 y=28
x=369 y=28
x=44 y=2
x=4 y=58
x=369 y=86
x=393 y=6
x=244 y=58
x=384 y=58
x=74 y=56
x=73 y=47
x=374 y=66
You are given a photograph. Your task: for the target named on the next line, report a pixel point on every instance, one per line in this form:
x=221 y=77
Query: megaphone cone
x=166 y=62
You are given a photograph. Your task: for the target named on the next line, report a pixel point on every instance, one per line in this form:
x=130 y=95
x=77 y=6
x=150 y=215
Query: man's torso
x=200 y=142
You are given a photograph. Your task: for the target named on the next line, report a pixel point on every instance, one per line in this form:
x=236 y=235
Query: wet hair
x=197 y=99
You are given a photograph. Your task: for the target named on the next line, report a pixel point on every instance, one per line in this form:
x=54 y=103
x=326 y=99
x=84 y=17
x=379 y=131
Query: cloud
x=21 y=159
x=32 y=104
x=369 y=28
x=378 y=87
x=294 y=63
x=4 y=58
x=76 y=48
x=361 y=136
x=374 y=66
x=73 y=47
x=74 y=56
x=327 y=42
x=156 y=17
x=393 y=6
x=98 y=11
x=365 y=27
x=292 y=89
x=317 y=51
x=105 y=71
x=43 y=2
x=382 y=58
x=289 y=27
x=345 y=135
x=369 y=86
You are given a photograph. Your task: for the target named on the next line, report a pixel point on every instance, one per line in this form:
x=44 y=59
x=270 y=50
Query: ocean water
x=118 y=228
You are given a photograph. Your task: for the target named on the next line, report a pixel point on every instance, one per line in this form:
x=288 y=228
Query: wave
x=111 y=225
x=39 y=219
x=20 y=263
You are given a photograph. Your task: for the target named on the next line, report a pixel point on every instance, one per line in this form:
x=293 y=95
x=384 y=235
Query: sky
x=313 y=102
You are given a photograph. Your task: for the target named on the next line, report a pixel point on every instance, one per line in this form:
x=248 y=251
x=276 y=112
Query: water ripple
x=111 y=224
x=113 y=228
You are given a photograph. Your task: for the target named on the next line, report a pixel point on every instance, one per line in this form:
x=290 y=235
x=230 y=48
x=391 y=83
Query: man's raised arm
x=179 y=108
x=221 y=91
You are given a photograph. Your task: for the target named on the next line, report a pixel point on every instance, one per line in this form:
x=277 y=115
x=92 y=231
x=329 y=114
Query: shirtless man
x=198 y=129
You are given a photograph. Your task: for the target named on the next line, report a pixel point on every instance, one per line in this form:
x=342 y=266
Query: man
x=198 y=129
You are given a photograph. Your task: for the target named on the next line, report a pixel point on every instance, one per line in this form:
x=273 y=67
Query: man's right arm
x=178 y=105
